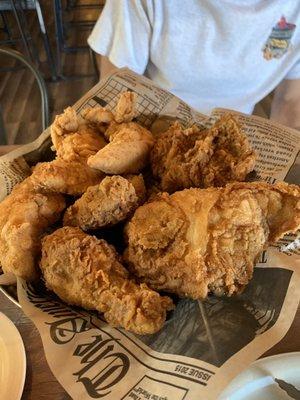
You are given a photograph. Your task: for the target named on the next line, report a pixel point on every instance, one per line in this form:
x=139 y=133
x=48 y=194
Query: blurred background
x=52 y=36
x=55 y=62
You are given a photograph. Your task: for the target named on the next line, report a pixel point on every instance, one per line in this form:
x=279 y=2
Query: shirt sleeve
x=294 y=72
x=123 y=34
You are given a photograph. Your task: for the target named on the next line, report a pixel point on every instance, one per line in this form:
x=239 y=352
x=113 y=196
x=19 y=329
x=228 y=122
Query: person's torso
x=224 y=53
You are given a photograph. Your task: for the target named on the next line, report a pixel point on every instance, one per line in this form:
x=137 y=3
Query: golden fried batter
x=184 y=158
x=106 y=204
x=74 y=140
x=98 y=116
x=199 y=241
x=61 y=176
x=63 y=125
x=80 y=145
x=85 y=271
x=24 y=216
x=128 y=150
x=126 y=107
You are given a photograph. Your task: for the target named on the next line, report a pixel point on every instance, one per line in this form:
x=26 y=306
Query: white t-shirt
x=210 y=53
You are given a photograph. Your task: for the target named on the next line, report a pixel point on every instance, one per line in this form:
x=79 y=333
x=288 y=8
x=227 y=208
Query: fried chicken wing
x=85 y=271
x=61 y=176
x=128 y=151
x=24 y=216
x=199 y=241
x=184 y=158
x=106 y=204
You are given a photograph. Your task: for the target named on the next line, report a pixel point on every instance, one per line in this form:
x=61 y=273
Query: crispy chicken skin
x=126 y=107
x=207 y=240
x=98 y=116
x=106 y=204
x=128 y=150
x=64 y=124
x=74 y=142
x=85 y=271
x=80 y=145
x=24 y=216
x=61 y=176
x=184 y=158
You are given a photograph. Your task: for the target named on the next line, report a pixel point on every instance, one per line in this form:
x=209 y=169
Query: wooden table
x=40 y=383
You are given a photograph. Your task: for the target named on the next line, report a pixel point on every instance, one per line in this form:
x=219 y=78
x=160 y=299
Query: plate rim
x=264 y=361
x=21 y=354
x=9 y=296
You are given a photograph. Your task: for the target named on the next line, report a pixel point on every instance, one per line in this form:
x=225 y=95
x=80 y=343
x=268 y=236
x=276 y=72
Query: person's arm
x=285 y=107
x=105 y=67
x=122 y=35
x=7 y=148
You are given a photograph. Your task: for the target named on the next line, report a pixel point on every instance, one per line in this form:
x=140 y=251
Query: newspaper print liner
x=203 y=345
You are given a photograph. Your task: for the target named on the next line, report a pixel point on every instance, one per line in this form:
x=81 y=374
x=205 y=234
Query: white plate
x=12 y=360
x=257 y=382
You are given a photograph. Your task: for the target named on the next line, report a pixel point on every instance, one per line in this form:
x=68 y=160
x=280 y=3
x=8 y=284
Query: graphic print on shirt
x=279 y=40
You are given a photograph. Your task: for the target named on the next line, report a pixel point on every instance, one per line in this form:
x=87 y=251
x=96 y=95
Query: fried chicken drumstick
x=199 y=241
x=85 y=271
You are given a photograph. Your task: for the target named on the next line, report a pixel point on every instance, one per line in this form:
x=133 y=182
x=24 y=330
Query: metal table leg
x=15 y=7
x=6 y=25
x=43 y=29
x=60 y=43
x=3 y=137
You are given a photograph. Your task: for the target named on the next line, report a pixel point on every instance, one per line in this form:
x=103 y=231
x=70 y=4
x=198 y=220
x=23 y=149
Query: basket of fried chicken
x=122 y=220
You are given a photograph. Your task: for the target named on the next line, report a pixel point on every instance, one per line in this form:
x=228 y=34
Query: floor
x=19 y=94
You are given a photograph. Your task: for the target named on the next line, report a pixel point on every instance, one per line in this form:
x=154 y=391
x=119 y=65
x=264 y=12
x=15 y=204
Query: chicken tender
x=24 y=216
x=197 y=241
x=106 y=204
x=61 y=176
x=85 y=271
x=128 y=151
x=184 y=158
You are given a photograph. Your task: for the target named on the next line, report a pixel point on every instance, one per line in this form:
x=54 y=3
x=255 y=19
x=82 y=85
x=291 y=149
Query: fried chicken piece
x=98 y=116
x=80 y=145
x=61 y=176
x=85 y=271
x=126 y=107
x=106 y=204
x=24 y=216
x=184 y=158
x=74 y=140
x=128 y=151
x=64 y=124
x=198 y=241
